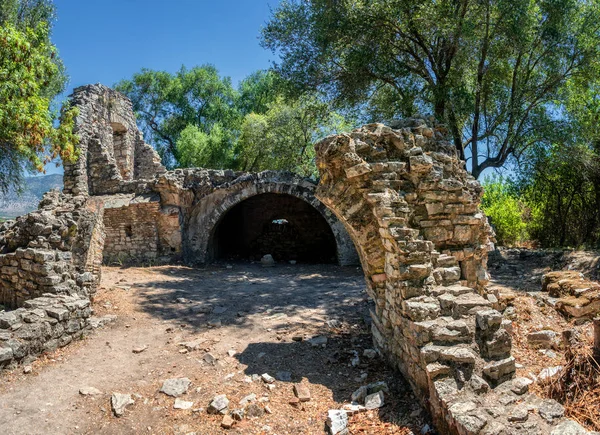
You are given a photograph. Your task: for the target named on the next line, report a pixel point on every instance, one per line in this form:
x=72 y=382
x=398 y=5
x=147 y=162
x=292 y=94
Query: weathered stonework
x=42 y=325
x=413 y=213
x=50 y=251
x=113 y=156
x=398 y=194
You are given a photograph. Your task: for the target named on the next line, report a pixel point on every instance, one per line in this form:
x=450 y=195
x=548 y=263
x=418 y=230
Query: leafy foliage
x=168 y=103
x=30 y=77
x=501 y=204
x=283 y=137
x=196 y=118
x=492 y=70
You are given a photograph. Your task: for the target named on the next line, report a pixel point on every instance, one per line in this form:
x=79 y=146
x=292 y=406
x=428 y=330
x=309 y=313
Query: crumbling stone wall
x=47 y=251
x=113 y=157
x=42 y=325
x=413 y=213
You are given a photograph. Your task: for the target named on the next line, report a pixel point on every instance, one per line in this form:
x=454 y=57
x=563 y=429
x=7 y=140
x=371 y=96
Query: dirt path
x=262 y=320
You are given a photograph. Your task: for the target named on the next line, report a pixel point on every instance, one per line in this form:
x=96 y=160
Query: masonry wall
x=44 y=251
x=42 y=325
x=412 y=210
x=131 y=233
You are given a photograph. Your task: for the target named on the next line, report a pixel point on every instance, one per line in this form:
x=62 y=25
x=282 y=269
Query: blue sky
x=104 y=41
x=108 y=40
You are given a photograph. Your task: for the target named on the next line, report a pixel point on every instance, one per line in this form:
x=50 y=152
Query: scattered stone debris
x=337 y=421
x=182 y=404
x=218 y=405
x=302 y=392
x=140 y=349
x=175 y=387
x=119 y=402
x=89 y=391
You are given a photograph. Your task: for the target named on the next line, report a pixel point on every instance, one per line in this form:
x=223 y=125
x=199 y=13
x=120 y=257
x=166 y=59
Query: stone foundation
x=42 y=325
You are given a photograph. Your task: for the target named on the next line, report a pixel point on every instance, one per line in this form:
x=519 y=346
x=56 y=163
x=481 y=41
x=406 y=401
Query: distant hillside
x=13 y=204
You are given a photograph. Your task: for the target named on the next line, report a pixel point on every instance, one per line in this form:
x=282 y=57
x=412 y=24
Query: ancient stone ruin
x=393 y=197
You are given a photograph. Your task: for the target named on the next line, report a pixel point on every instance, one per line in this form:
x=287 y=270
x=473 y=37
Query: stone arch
x=210 y=209
x=413 y=212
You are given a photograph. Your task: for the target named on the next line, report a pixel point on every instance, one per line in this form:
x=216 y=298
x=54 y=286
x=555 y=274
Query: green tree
x=196 y=149
x=31 y=75
x=283 y=137
x=492 y=70
x=258 y=91
x=166 y=104
x=501 y=203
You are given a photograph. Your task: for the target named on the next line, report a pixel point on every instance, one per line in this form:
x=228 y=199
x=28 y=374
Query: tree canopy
x=196 y=118
x=492 y=70
x=31 y=75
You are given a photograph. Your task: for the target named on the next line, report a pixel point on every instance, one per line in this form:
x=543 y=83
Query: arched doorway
x=285 y=226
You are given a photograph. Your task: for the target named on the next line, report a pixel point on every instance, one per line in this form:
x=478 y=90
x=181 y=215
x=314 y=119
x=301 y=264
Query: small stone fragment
x=267 y=260
x=254 y=410
x=268 y=379
x=227 y=422
x=318 y=341
x=519 y=414
x=337 y=421
x=140 y=349
x=302 y=392
x=284 y=376
x=209 y=358
x=374 y=401
x=218 y=405
x=215 y=323
x=237 y=414
x=89 y=391
x=119 y=402
x=370 y=353
x=248 y=399
x=360 y=394
x=182 y=404
x=27 y=369
x=550 y=409
x=175 y=387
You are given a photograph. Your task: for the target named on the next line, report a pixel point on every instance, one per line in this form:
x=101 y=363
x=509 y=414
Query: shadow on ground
x=248 y=293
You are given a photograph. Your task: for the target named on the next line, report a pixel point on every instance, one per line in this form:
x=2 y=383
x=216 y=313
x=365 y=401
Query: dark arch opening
x=282 y=225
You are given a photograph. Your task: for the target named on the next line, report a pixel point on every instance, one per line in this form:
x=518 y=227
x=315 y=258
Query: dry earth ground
x=263 y=313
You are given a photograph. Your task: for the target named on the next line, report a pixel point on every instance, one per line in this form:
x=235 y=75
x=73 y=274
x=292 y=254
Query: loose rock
x=175 y=387
x=119 y=402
